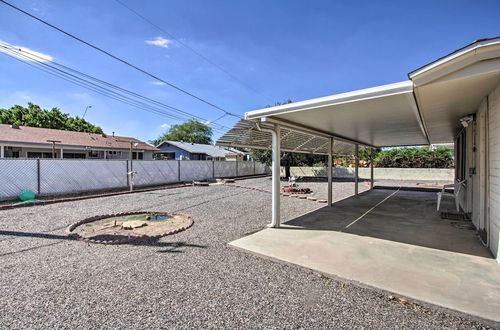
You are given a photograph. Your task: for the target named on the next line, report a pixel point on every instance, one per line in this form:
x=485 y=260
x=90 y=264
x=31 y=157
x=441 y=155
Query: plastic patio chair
x=455 y=194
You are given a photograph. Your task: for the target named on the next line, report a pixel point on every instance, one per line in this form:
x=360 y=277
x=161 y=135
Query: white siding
x=479 y=193
x=494 y=170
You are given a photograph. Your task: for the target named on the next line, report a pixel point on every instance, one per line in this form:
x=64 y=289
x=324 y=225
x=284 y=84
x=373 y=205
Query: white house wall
x=494 y=170
x=481 y=195
x=478 y=192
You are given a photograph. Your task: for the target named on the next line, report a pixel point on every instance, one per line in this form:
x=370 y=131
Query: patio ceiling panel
x=246 y=134
x=381 y=116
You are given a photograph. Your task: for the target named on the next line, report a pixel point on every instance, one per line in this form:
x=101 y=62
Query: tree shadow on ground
x=170 y=247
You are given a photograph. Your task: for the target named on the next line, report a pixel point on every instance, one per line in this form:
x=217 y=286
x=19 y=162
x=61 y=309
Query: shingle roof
x=196 y=148
x=27 y=134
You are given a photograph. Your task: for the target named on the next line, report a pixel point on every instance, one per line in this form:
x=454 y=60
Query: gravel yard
x=190 y=279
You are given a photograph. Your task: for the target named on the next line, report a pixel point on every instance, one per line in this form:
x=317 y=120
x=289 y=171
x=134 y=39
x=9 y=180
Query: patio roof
x=380 y=116
x=248 y=133
x=426 y=109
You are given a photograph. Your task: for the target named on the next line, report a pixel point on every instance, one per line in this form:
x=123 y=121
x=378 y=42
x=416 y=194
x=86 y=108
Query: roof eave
x=357 y=95
x=484 y=48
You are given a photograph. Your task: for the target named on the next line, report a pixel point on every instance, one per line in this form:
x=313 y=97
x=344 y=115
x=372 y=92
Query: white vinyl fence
x=58 y=176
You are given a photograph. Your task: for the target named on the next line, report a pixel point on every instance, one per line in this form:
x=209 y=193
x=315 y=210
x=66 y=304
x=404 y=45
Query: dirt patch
x=124 y=228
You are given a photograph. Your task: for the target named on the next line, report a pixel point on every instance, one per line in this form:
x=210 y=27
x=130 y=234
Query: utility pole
x=85 y=112
x=53 y=147
x=131 y=171
x=132 y=145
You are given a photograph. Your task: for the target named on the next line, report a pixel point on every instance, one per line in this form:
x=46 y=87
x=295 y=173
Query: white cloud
x=165 y=125
x=157 y=83
x=159 y=41
x=29 y=54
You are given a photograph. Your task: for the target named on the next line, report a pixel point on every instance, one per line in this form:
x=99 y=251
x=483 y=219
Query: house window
x=73 y=155
x=34 y=154
x=137 y=155
x=12 y=152
x=198 y=156
x=93 y=154
x=37 y=154
x=165 y=155
x=111 y=154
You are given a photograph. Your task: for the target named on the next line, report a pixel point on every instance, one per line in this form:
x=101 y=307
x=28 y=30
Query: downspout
x=487 y=175
x=275 y=133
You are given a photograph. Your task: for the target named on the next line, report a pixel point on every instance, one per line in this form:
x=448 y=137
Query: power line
x=119 y=59
x=31 y=60
x=76 y=80
x=193 y=50
x=40 y=60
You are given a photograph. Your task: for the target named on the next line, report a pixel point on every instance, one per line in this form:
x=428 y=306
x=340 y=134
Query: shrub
x=416 y=157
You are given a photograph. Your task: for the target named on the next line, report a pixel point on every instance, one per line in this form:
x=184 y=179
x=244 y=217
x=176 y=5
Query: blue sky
x=285 y=49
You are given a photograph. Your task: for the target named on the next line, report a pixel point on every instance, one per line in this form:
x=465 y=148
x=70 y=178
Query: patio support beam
x=307 y=130
x=275 y=221
x=356 y=169
x=276 y=172
x=371 y=169
x=329 y=169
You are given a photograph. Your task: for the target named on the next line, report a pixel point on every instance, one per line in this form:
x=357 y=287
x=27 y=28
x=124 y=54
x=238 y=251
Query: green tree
x=191 y=131
x=34 y=116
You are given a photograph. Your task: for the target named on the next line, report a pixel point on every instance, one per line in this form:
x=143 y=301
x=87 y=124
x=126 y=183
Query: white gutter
x=354 y=96
x=474 y=49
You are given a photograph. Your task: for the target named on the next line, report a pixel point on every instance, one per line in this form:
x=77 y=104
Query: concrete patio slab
x=394 y=241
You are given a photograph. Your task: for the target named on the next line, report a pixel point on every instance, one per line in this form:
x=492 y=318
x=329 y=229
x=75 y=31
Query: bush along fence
x=59 y=176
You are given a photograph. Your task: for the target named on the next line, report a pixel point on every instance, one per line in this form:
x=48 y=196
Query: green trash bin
x=26 y=195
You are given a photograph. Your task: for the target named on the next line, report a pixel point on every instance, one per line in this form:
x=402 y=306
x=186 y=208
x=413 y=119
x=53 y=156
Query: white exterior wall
x=494 y=170
x=478 y=191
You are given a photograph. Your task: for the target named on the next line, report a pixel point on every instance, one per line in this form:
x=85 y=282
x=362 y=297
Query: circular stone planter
x=96 y=230
x=296 y=190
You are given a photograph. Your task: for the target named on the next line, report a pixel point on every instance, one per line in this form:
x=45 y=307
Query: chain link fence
x=59 y=176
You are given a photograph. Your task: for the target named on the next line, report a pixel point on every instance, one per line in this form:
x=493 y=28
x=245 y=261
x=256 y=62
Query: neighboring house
x=36 y=142
x=195 y=151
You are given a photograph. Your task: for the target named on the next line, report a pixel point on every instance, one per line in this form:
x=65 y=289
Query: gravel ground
x=340 y=189
x=190 y=279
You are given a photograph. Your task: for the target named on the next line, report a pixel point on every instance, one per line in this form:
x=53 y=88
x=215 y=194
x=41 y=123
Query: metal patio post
x=356 y=169
x=329 y=169
x=275 y=222
x=371 y=170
